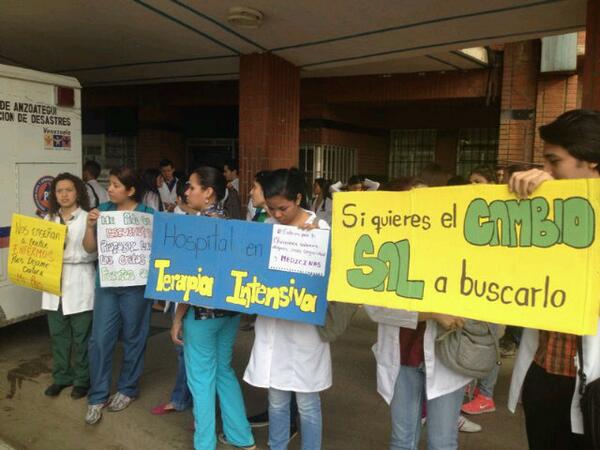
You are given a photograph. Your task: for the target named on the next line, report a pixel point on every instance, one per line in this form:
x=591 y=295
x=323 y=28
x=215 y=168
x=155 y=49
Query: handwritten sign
x=35 y=254
x=296 y=250
x=124 y=244
x=473 y=251
x=224 y=264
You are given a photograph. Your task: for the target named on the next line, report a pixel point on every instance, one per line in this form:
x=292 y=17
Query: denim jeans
x=208 y=349
x=406 y=409
x=181 y=397
x=487 y=385
x=311 y=423
x=125 y=310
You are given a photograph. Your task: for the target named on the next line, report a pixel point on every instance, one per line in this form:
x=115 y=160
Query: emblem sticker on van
x=41 y=193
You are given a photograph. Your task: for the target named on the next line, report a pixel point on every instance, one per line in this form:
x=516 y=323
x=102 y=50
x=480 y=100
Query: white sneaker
x=94 y=414
x=119 y=402
x=466 y=426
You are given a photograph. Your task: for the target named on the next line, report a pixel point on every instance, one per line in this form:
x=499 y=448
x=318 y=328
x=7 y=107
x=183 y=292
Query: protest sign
x=225 y=264
x=35 y=254
x=473 y=251
x=124 y=244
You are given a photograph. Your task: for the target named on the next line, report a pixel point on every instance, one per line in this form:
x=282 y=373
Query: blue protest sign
x=254 y=268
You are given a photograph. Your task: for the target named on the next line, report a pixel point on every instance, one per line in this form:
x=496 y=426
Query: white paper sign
x=124 y=244
x=300 y=251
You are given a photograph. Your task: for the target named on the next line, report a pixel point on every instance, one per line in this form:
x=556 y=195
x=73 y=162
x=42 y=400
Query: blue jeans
x=311 y=423
x=208 y=349
x=406 y=410
x=181 y=397
x=121 y=309
x=487 y=385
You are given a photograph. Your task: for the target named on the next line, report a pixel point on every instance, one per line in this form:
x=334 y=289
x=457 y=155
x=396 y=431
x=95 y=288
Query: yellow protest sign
x=35 y=254
x=473 y=251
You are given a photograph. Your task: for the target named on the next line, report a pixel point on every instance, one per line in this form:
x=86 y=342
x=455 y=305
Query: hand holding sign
x=124 y=243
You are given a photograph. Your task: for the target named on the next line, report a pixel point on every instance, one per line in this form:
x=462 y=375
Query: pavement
x=355 y=417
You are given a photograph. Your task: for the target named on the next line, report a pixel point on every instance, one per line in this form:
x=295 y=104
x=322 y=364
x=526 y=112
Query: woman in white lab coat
x=70 y=316
x=289 y=356
x=404 y=385
x=409 y=374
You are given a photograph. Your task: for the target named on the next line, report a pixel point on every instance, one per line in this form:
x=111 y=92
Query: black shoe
x=259 y=420
x=54 y=389
x=78 y=392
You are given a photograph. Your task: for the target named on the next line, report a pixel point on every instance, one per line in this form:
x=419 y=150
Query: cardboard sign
x=35 y=255
x=473 y=251
x=224 y=264
x=124 y=244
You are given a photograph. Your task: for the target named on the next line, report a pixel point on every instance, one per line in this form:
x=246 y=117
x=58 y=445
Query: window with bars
x=410 y=151
x=333 y=162
x=476 y=147
x=110 y=151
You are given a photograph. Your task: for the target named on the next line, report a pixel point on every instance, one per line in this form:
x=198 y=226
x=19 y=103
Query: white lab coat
x=527 y=349
x=289 y=356
x=152 y=200
x=439 y=379
x=324 y=210
x=78 y=273
x=93 y=187
x=168 y=195
x=250 y=211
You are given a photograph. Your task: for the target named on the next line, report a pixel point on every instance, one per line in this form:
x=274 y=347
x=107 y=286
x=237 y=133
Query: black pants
x=547 y=405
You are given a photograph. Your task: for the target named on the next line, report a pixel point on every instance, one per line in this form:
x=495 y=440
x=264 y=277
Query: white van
x=40 y=137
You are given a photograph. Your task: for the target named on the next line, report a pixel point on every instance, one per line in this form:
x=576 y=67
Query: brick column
x=269 y=123
x=517 y=109
x=557 y=93
x=591 y=65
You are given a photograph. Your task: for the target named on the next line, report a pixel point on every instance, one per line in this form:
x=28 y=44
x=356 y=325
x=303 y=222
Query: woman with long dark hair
x=321 y=203
x=290 y=357
x=208 y=338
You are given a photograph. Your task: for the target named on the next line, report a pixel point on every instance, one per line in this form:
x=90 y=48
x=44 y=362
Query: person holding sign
x=70 y=315
x=208 y=338
x=117 y=311
x=410 y=375
x=545 y=375
x=483 y=393
x=289 y=357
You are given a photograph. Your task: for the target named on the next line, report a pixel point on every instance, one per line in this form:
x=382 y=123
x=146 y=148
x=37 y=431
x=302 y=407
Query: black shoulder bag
x=590 y=404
